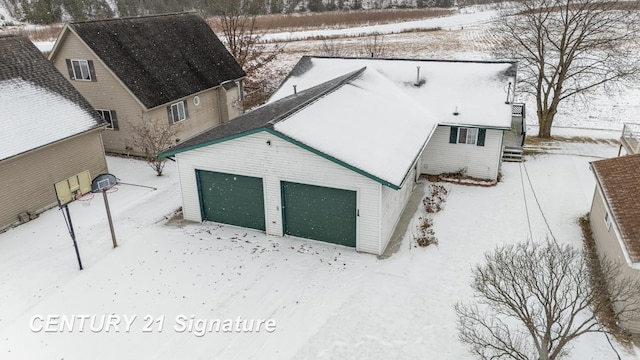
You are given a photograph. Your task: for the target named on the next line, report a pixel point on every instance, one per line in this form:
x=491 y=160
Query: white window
x=177 y=112
x=81 y=70
x=467 y=136
x=110 y=118
x=607 y=220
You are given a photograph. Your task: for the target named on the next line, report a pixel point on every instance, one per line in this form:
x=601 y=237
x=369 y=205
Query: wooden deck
x=630 y=138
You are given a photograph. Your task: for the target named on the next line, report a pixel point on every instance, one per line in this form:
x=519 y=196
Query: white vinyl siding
x=393 y=204
x=251 y=155
x=440 y=156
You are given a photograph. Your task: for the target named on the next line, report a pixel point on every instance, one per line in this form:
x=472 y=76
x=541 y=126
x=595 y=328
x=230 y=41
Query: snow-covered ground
x=327 y=301
x=446 y=23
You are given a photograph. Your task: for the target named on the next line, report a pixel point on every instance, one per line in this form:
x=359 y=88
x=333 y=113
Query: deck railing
x=630 y=138
x=518 y=109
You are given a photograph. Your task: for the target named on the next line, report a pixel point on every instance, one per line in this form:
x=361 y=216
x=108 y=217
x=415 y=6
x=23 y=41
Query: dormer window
x=81 y=70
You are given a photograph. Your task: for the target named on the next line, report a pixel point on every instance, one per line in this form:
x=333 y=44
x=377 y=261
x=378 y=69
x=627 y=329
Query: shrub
x=426 y=235
x=436 y=196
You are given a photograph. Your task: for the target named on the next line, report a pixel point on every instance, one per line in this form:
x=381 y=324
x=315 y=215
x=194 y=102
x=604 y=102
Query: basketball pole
x=106 y=205
x=67 y=218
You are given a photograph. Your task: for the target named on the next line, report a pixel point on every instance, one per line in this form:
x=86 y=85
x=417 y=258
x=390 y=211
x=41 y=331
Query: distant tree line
x=50 y=11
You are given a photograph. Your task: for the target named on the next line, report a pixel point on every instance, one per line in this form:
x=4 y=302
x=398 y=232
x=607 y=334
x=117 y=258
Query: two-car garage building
x=337 y=160
x=335 y=181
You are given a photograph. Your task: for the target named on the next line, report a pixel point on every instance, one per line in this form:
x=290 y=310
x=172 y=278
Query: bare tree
x=534 y=299
x=568 y=47
x=237 y=20
x=332 y=47
x=152 y=138
x=374 y=46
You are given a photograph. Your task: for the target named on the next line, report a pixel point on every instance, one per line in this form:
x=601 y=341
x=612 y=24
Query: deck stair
x=512 y=154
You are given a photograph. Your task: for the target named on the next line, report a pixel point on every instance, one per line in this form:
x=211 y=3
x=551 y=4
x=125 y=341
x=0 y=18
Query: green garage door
x=231 y=199
x=319 y=213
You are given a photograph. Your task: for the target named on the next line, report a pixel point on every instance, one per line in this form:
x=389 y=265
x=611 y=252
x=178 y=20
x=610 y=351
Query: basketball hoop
x=106 y=183
x=85 y=199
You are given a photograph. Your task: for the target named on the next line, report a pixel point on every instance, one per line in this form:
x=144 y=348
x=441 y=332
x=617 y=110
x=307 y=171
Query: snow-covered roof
x=38 y=105
x=359 y=120
x=476 y=90
x=33 y=116
x=368 y=124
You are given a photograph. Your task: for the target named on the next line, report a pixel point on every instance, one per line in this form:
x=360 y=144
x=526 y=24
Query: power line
x=538 y=202
x=526 y=207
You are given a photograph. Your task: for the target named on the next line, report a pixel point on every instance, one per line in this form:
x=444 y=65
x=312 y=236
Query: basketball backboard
x=103 y=182
x=67 y=189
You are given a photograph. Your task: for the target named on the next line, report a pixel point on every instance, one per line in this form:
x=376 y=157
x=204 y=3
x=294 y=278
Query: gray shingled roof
x=263 y=117
x=38 y=105
x=620 y=181
x=161 y=58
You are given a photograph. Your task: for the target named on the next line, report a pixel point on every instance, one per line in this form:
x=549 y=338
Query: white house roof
x=38 y=106
x=33 y=116
x=359 y=120
x=374 y=116
x=367 y=123
x=477 y=91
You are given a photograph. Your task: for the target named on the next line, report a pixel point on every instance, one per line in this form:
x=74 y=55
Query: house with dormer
x=170 y=69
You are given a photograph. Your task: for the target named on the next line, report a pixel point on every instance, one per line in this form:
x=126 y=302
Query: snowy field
x=327 y=302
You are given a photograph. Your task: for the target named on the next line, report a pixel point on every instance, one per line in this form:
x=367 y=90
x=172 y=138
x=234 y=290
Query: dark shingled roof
x=20 y=59
x=620 y=181
x=161 y=58
x=263 y=117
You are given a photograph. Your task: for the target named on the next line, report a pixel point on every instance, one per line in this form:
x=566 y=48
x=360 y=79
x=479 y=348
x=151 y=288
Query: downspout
x=220 y=113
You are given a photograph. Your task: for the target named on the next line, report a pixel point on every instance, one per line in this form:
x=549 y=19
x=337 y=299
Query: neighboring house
x=170 y=69
x=335 y=158
x=49 y=131
x=615 y=215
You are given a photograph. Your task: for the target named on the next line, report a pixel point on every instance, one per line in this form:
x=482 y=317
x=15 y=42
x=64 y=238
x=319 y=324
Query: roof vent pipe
x=295 y=91
x=418 y=76
x=508 y=93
